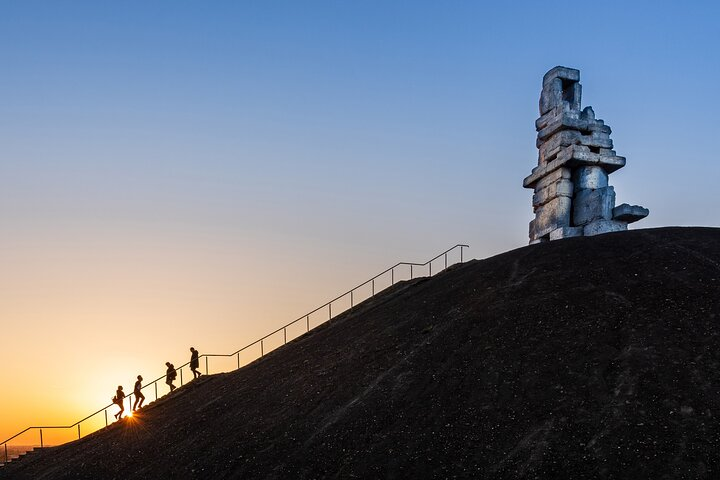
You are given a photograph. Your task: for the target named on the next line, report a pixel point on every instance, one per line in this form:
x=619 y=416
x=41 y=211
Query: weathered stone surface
x=574 y=101
x=552 y=215
x=561 y=89
x=538 y=235
x=577 y=155
x=551 y=96
x=590 y=205
x=629 y=213
x=599 y=227
x=548 y=152
x=570 y=120
x=572 y=195
x=565 y=73
x=561 y=188
x=538 y=240
x=566 y=232
x=589 y=114
x=563 y=138
x=548 y=118
x=552 y=177
x=590 y=177
x=573 y=156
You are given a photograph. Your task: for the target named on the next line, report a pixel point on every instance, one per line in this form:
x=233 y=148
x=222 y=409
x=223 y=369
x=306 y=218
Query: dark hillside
x=586 y=358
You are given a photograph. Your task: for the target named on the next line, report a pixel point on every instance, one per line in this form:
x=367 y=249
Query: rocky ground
x=586 y=358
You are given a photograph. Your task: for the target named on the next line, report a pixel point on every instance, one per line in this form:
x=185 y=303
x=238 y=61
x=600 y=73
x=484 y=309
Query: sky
x=185 y=173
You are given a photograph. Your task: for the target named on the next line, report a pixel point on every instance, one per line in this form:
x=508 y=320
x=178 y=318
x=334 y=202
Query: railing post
x=129 y=398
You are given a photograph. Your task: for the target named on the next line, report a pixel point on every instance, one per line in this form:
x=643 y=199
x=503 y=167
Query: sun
x=129 y=414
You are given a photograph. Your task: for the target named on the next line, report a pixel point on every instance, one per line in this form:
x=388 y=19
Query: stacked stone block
x=575 y=157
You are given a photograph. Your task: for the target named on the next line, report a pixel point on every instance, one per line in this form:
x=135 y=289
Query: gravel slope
x=581 y=359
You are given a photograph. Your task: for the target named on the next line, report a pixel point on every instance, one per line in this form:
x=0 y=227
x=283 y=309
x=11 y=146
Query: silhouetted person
x=139 y=397
x=170 y=375
x=194 y=362
x=118 y=399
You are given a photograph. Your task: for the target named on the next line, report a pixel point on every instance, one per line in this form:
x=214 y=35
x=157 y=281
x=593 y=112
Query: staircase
x=18 y=454
x=259 y=348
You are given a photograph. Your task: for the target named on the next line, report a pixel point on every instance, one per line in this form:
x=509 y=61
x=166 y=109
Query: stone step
x=25 y=454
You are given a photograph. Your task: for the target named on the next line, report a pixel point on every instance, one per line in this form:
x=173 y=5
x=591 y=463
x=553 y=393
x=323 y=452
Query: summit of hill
x=585 y=358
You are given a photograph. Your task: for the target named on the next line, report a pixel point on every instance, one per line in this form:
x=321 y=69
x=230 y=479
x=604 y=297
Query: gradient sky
x=177 y=173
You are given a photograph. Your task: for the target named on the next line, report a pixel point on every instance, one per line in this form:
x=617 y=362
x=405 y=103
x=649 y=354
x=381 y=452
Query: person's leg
x=142 y=399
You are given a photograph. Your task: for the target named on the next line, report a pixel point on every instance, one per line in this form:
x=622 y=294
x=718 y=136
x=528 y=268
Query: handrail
x=260 y=341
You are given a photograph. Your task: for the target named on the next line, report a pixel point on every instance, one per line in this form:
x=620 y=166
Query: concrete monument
x=572 y=195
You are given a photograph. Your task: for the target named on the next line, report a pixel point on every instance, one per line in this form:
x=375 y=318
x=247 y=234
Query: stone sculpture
x=572 y=196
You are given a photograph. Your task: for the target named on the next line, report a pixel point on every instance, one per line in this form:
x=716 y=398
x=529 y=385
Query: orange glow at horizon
x=77 y=332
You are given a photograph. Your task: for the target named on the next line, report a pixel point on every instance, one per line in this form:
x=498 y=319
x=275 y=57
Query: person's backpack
x=115 y=401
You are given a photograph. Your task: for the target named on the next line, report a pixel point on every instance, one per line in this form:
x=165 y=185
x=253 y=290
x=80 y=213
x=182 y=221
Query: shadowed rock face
x=591 y=357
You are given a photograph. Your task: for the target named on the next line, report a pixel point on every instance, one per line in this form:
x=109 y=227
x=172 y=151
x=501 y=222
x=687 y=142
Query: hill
x=591 y=357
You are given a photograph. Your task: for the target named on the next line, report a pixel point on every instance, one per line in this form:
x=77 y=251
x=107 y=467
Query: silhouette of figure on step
x=170 y=375
x=118 y=400
x=139 y=397
x=195 y=362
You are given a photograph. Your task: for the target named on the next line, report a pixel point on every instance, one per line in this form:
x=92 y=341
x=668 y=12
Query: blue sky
x=174 y=163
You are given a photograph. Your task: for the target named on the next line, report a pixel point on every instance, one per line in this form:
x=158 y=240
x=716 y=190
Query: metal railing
x=304 y=320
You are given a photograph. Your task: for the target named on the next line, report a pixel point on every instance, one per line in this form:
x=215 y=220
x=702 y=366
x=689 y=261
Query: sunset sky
x=185 y=173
